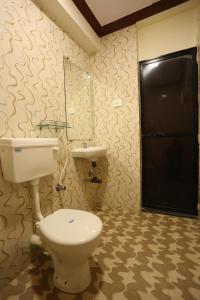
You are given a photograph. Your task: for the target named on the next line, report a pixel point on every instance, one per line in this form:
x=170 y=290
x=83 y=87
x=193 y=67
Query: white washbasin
x=91 y=153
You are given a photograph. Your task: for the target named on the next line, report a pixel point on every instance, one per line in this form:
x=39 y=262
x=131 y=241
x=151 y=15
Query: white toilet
x=69 y=235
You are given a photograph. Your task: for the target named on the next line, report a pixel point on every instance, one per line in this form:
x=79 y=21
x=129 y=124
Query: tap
x=84 y=144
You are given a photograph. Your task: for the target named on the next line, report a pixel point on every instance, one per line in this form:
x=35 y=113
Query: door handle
x=159 y=134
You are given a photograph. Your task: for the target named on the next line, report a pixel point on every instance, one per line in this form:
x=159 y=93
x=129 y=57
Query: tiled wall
x=115 y=77
x=31 y=90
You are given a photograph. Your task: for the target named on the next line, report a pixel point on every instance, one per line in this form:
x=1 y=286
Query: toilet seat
x=70 y=227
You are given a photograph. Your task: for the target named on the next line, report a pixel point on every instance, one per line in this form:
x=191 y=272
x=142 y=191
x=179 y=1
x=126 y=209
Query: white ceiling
x=107 y=11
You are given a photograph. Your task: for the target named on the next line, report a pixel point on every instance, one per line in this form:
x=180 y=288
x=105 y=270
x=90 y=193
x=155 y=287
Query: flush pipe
x=35 y=239
x=62 y=172
x=36 y=199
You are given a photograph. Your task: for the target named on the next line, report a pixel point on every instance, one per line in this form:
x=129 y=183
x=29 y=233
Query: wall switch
x=117 y=103
x=71 y=111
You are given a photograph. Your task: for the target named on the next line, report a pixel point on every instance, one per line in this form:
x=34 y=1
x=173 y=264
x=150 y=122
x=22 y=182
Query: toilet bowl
x=70 y=237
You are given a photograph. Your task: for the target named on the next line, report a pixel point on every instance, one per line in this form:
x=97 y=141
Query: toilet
x=69 y=235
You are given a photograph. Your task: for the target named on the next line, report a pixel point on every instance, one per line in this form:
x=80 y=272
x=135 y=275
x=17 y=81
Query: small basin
x=90 y=153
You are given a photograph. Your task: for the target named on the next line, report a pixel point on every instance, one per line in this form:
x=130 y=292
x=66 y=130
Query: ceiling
x=117 y=9
x=106 y=16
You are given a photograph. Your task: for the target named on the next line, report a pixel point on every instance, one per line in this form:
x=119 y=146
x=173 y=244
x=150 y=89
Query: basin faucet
x=84 y=144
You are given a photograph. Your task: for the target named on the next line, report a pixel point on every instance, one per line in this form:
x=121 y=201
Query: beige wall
x=31 y=90
x=115 y=76
x=167 y=32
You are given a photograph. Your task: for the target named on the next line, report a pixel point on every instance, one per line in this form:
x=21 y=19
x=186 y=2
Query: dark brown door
x=169 y=125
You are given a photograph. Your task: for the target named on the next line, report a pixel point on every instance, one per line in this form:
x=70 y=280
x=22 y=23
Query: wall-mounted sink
x=90 y=153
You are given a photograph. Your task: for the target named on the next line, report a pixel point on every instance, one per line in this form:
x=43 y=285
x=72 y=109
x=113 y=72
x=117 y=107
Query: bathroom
x=33 y=44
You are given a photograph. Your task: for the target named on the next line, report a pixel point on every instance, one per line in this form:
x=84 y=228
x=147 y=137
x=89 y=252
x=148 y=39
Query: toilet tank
x=24 y=159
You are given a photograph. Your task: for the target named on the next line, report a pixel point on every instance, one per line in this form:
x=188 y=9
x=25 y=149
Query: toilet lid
x=70 y=226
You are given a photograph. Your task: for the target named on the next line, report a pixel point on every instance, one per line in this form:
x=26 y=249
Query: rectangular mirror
x=78 y=102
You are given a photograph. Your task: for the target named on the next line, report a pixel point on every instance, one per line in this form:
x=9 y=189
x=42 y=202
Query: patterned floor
x=146 y=256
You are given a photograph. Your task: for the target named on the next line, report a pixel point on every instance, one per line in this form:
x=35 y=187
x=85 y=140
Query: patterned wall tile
x=115 y=76
x=31 y=89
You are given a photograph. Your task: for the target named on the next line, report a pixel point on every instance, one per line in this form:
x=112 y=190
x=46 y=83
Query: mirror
x=78 y=102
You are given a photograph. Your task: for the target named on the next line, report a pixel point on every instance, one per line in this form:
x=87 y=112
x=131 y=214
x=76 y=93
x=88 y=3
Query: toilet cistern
x=24 y=159
x=28 y=159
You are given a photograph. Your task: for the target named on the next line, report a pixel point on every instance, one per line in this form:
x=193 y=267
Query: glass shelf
x=51 y=124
